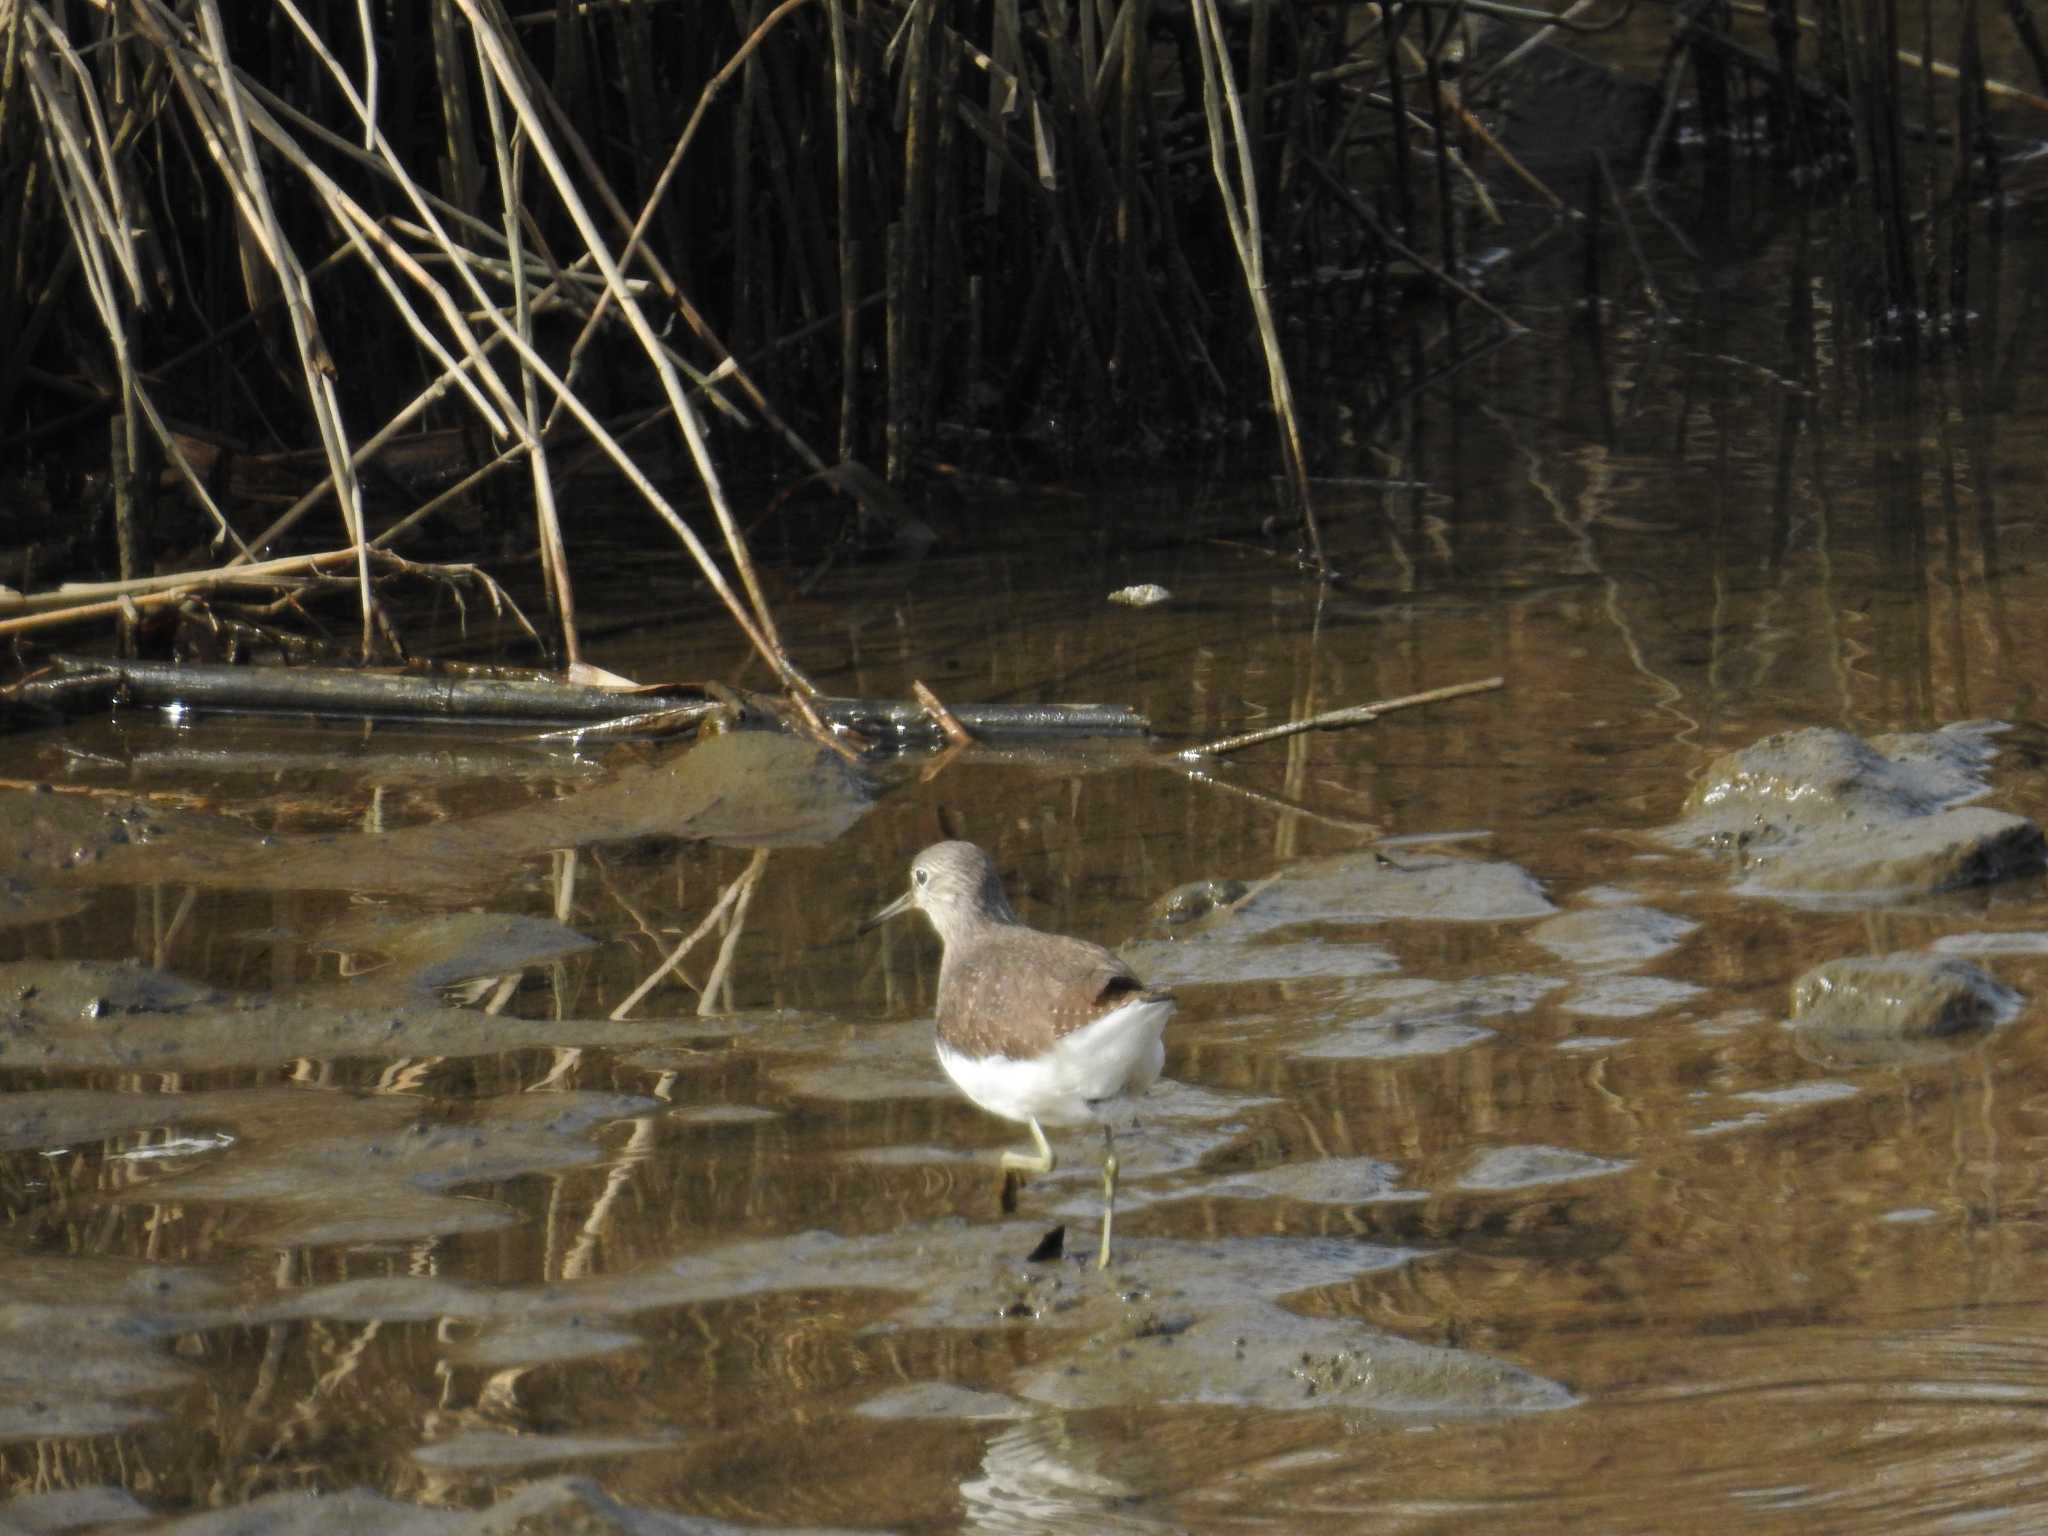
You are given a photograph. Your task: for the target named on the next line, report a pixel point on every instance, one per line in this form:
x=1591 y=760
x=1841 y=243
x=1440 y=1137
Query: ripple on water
x=2026 y=943
x=1627 y=997
x=1825 y=1090
x=722 y=1114
x=1328 y=1181
x=484 y=1451
x=941 y=1400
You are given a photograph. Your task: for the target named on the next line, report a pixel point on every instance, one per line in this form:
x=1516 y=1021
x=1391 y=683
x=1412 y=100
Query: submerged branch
x=530 y=697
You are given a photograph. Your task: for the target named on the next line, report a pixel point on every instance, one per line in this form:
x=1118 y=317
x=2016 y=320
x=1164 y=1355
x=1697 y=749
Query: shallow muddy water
x=1489 y=1188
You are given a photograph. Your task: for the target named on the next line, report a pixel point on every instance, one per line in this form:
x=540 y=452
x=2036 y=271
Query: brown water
x=1439 y=1229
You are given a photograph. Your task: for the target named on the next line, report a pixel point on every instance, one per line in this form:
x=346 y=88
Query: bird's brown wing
x=1042 y=989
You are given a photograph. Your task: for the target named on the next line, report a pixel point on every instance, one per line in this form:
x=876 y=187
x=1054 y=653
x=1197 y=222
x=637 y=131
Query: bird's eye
x=921 y=876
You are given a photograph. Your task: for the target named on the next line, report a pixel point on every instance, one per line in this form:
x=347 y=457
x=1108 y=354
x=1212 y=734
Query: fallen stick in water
x=447 y=696
x=1356 y=714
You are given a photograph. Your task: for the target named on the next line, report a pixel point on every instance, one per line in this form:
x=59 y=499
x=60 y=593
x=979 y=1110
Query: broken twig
x=948 y=723
x=1357 y=714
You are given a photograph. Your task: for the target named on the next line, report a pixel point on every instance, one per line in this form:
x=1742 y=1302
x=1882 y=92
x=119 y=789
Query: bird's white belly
x=1118 y=1054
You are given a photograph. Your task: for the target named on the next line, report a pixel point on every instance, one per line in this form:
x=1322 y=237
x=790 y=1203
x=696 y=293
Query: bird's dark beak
x=895 y=908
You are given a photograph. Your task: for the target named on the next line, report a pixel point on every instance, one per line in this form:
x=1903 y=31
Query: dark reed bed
x=287 y=278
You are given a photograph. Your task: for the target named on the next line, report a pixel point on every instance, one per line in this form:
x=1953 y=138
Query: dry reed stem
x=372 y=446
x=262 y=573
x=369 y=37
x=499 y=415
x=635 y=248
x=820 y=730
x=1911 y=60
x=948 y=723
x=1356 y=714
x=59 y=112
x=1241 y=210
x=942 y=760
x=99 y=224
x=656 y=722
x=365 y=232
x=122 y=607
x=1566 y=20
x=234 y=152
x=554 y=557
x=374 y=248
x=692 y=317
x=76 y=603
x=846 y=247
x=385 y=165
x=505 y=65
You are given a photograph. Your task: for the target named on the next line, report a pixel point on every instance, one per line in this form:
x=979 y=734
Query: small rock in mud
x=1248 y=930
x=1898 y=998
x=1944 y=852
x=1186 y=905
x=1250 y=1354
x=1371 y=887
x=1812 y=779
x=1820 y=813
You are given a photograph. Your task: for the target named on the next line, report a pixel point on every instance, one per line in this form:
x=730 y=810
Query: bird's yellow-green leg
x=1041 y=1161
x=1109 y=1171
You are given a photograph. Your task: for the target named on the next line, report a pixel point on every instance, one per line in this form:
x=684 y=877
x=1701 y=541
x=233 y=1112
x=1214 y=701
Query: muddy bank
x=747 y=788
